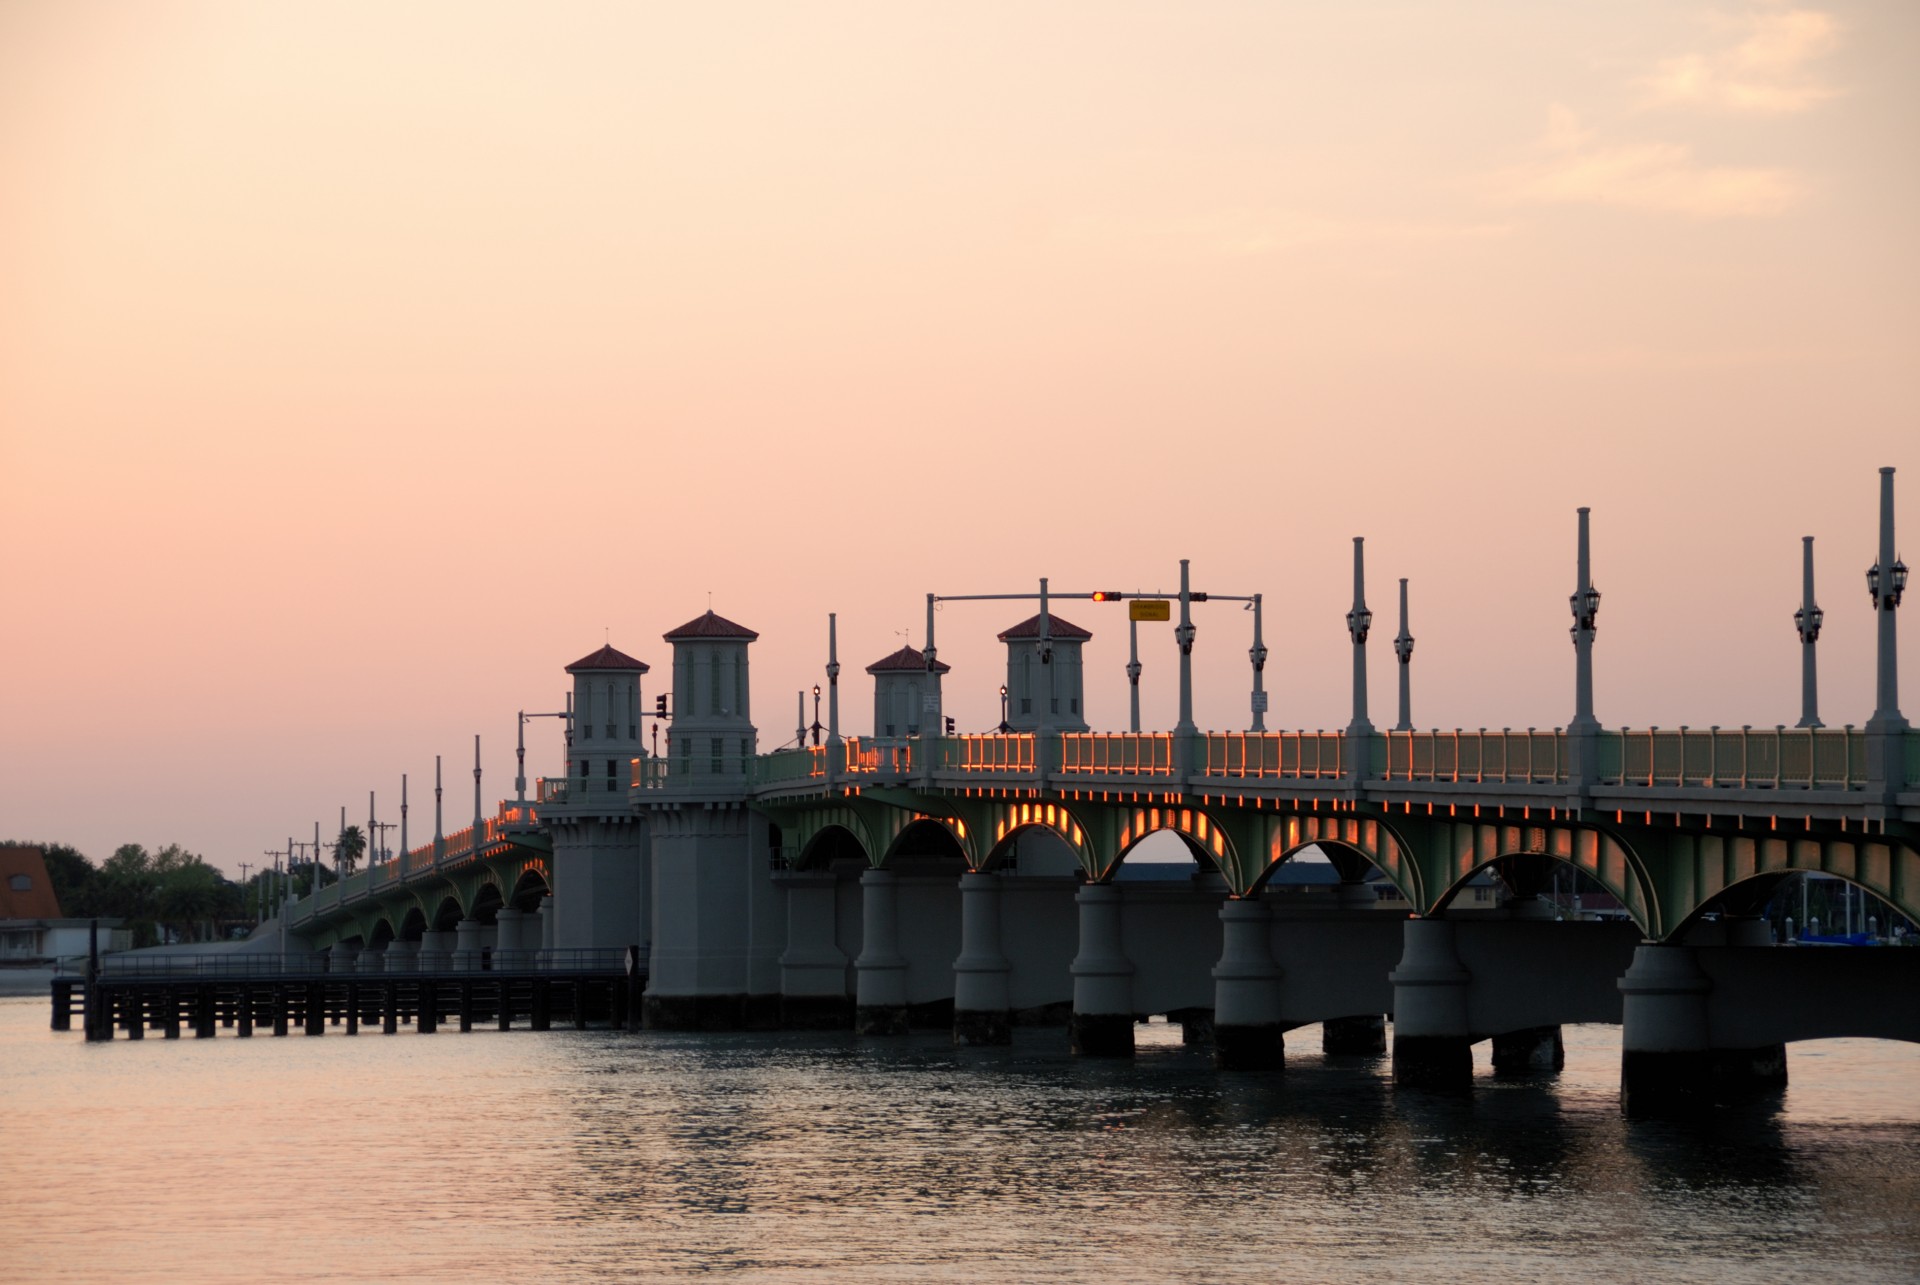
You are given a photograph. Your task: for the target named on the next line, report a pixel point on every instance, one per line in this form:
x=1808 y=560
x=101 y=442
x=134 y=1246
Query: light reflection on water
x=594 y=1155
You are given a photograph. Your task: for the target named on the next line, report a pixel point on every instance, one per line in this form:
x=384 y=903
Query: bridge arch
x=1752 y=894
x=1366 y=838
x=413 y=923
x=929 y=835
x=831 y=843
x=530 y=889
x=447 y=914
x=1010 y=818
x=1706 y=868
x=1201 y=833
x=381 y=933
x=1599 y=855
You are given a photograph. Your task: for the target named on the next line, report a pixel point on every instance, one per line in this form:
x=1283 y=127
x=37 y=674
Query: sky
x=363 y=365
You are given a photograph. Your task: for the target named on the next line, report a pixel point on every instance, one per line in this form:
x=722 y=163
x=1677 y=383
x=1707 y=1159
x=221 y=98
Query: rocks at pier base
x=1250 y=1048
x=976 y=1028
x=711 y=1012
x=1101 y=1034
x=1432 y=1061
x=880 y=1019
x=815 y=1012
x=1361 y=1036
x=1534 y=1051
x=1656 y=1084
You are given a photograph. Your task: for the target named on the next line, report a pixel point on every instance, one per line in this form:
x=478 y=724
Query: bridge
x=980 y=881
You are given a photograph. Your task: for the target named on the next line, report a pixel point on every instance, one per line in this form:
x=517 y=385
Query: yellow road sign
x=1150 y=609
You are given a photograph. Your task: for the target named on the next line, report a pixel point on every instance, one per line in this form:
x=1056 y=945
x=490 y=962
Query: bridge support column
x=436 y=950
x=1527 y=1052
x=1102 y=1021
x=342 y=957
x=466 y=945
x=1247 y=1030
x=982 y=997
x=370 y=960
x=880 y=986
x=1364 y=1035
x=544 y=914
x=402 y=956
x=509 y=950
x=1667 y=1061
x=1432 y=1043
x=813 y=969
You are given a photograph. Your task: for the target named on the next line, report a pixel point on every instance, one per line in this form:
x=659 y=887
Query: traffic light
x=1108 y=596
x=949 y=725
x=660 y=705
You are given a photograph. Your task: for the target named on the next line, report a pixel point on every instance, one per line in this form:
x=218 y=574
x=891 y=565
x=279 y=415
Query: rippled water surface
x=597 y=1156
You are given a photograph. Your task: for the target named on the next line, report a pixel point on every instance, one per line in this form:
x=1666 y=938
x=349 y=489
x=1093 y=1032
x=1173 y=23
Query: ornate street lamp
x=816 y=729
x=1004 y=726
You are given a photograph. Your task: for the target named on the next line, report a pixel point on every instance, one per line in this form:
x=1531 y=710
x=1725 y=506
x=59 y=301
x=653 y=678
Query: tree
x=128 y=884
x=348 y=849
x=186 y=891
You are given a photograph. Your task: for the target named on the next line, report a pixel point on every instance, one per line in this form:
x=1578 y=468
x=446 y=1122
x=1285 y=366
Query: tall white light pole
x=833 y=690
x=476 y=792
x=1183 y=634
x=1359 y=622
x=1807 y=621
x=1585 y=605
x=439 y=829
x=1133 y=672
x=1403 y=652
x=1886 y=582
x=1258 y=655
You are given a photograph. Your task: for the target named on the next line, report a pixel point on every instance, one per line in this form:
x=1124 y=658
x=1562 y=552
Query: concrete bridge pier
x=342 y=957
x=436 y=950
x=1102 y=1021
x=1432 y=1040
x=1248 y=1033
x=543 y=916
x=813 y=968
x=401 y=956
x=370 y=960
x=982 y=990
x=467 y=940
x=880 y=973
x=509 y=948
x=1668 y=1060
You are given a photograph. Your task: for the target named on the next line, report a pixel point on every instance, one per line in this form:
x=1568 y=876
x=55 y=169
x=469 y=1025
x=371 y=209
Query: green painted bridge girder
x=1665 y=876
x=428 y=891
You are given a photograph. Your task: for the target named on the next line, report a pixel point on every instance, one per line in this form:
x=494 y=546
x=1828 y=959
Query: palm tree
x=348 y=848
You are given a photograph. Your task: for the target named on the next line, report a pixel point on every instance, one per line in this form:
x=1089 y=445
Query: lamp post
x=1807 y=622
x=1584 y=603
x=1005 y=727
x=1359 y=623
x=1403 y=652
x=1133 y=673
x=1886 y=582
x=1258 y=655
x=520 y=754
x=1183 y=634
x=817 y=729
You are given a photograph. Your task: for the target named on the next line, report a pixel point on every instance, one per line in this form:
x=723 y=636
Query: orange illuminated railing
x=1505 y=756
x=987 y=753
x=1283 y=755
x=1742 y=758
x=1118 y=754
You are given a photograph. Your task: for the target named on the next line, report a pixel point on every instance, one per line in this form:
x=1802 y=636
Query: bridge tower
x=599 y=844
x=906 y=694
x=1045 y=687
x=715 y=960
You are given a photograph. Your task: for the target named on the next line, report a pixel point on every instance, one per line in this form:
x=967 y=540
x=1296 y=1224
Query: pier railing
x=213 y=966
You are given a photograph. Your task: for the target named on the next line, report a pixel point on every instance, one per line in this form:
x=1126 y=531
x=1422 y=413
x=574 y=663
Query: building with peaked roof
x=906 y=694
x=31 y=925
x=1045 y=680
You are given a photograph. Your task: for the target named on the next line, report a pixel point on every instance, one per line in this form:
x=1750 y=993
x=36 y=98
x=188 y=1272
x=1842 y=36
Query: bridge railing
x=989 y=753
x=224 y=964
x=1743 y=758
x=1505 y=756
x=1286 y=755
x=1121 y=754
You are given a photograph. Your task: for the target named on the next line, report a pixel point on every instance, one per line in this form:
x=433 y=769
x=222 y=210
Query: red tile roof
x=608 y=658
x=710 y=626
x=906 y=660
x=36 y=900
x=1058 y=627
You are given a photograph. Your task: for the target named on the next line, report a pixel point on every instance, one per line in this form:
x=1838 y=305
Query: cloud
x=1766 y=73
x=1578 y=168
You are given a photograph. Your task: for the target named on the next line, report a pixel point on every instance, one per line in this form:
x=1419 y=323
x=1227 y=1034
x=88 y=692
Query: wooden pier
x=167 y=1002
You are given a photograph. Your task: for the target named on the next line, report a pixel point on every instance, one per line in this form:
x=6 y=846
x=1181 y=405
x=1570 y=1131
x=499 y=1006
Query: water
x=586 y=1156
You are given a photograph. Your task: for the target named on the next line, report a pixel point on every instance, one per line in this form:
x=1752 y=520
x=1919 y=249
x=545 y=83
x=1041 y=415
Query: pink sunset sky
x=361 y=364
